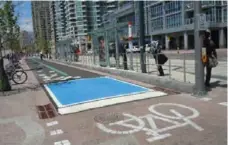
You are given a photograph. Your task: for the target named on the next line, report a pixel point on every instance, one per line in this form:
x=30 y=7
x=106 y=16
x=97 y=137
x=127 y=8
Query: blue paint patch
x=91 y=89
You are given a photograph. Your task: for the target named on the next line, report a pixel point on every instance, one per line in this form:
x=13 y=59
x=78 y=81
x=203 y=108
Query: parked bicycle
x=15 y=72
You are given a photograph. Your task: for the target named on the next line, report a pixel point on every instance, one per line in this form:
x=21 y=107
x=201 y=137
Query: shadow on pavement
x=216 y=84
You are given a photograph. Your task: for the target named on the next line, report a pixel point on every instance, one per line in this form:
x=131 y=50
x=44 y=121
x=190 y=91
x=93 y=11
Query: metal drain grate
x=165 y=90
x=46 y=111
x=108 y=118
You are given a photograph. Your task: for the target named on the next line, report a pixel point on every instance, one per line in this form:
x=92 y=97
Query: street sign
x=202 y=22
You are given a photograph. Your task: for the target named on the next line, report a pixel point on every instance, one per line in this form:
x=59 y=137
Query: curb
x=145 y=78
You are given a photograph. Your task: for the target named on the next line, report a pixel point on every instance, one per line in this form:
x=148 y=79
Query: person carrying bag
x=159 y=57
x=211 y=56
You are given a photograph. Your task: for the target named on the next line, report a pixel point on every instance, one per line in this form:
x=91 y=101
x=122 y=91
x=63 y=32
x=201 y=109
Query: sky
x=25 y=15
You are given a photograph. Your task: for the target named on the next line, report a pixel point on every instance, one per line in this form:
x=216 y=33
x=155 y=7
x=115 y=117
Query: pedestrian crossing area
x=52 y=76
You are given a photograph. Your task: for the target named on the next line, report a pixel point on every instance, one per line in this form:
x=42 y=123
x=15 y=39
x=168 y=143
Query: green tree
x=8 y=32
x=41 y=44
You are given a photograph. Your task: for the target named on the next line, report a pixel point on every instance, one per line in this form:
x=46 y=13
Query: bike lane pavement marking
x=51 y=68
x=178 y=120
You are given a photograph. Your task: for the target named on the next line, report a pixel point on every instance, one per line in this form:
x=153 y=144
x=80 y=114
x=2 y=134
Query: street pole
x=199 y=89
x=142 y=36
x=117 y=46
x=130 y=44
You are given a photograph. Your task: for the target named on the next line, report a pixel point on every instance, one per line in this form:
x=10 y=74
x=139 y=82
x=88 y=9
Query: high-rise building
x=41 y=19
x=25 y=39
x=74 y=19
x=53 y=26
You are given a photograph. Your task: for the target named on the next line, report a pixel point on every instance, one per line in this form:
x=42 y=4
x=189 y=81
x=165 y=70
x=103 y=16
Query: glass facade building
x=172 y=22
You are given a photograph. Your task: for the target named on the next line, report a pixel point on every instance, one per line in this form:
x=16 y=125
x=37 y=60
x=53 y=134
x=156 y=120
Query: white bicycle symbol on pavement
x=177 y=120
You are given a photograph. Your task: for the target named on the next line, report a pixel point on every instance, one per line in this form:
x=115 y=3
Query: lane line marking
x=50 y=67
x=223 y=103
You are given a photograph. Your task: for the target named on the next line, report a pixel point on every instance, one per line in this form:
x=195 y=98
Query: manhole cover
x=108 y=118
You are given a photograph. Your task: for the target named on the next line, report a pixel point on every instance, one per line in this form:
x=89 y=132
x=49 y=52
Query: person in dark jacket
x=123 y=52
x=156 y=50
x=210 y=51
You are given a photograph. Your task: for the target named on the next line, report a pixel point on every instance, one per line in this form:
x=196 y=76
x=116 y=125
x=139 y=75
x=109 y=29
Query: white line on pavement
x=41 y=75
x=206 y=99
x=59 y=78
x=223 y=103
x=51 y=71
x=52 y=123
x=53 y=75
x=56 y=132
x=68 y=77
x=63 y=142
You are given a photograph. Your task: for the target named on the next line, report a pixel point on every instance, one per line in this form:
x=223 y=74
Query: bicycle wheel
x=19 y=77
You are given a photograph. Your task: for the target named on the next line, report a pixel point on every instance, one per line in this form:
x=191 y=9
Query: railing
x=180 y=67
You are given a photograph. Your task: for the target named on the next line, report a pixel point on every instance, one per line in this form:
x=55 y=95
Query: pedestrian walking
x=211 y=56
x=160 y=59
x=77 y=53
x=41 y=55
x=123 y=52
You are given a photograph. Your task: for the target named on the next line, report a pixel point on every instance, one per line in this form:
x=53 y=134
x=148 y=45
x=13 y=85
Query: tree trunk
x=4 y=81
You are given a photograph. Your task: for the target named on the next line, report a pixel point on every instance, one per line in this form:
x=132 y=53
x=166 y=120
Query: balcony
x=189 y=21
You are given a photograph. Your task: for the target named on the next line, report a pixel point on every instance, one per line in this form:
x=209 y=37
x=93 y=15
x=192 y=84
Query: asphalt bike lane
x=51 y=71
x=170 y=120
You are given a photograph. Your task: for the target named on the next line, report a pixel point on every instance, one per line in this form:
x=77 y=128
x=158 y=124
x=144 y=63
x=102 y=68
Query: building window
x=157 y=24
x=156 y=10
x=225 y=14
x=173 y=20
x=172 y=6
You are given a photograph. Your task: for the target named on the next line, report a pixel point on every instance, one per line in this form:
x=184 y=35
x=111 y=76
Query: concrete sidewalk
x=19 y=122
